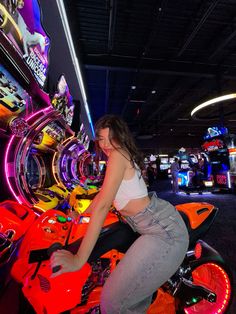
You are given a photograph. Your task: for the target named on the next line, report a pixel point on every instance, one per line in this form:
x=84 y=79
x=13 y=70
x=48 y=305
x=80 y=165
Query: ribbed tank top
x=130 y=189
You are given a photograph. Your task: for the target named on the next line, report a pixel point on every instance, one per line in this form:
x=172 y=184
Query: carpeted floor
x=222 y=235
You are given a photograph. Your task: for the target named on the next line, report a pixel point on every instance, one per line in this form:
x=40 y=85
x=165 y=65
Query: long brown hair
x=120 y=133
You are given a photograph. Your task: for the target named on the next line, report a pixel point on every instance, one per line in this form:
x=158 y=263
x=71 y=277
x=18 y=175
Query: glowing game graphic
x=14 y=100
x=20 y=21
x=63 y=102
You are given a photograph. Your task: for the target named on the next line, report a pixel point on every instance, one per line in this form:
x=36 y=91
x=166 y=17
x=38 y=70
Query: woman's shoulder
x=120 y=155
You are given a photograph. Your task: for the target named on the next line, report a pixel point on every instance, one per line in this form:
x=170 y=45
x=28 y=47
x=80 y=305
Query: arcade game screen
x=220 y=160
x=50 y=136
x=14 y=100
x=33 y=172
x=102 y=166
x=164 y=163
x=41 y=153
x=184 y=164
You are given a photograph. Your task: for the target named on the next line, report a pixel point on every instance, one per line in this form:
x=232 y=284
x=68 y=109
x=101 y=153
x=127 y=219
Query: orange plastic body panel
x=163 y=304
x=93 y=300
x=53 y=295
x=17 y=217
x=196 y=212
x=42 y=234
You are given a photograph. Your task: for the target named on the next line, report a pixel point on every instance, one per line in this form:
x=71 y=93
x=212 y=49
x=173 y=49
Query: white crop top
x=130 y=189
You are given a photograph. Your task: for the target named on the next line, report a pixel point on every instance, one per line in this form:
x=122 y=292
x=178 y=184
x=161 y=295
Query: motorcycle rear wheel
x=215 y=278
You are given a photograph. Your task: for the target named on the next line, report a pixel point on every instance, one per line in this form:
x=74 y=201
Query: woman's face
x=105 y=143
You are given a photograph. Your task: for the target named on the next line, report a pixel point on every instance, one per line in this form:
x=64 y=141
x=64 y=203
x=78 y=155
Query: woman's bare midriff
x=135 y=206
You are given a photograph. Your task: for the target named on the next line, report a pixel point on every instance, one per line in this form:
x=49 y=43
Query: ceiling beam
x=172 y=67
x=198 y=27
x=112 y=23
x=223 y=45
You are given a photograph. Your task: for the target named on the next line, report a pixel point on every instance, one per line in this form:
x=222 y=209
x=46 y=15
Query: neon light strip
x=228 y=179
x=37 y=112
x=6 y=170
x=8 y=16
x=56 y=166
x=7 y=175
x=212 y=101
x=62 y=11
x=188 y=178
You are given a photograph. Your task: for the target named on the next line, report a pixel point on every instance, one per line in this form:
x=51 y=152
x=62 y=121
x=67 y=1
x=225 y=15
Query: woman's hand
x=74 y=215
x=67 y=261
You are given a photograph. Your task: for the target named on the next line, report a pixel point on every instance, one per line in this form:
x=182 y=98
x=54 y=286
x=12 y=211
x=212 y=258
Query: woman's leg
x=148 y=263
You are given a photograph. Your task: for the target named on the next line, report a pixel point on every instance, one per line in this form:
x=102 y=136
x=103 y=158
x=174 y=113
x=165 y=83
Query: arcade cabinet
x=215 y=147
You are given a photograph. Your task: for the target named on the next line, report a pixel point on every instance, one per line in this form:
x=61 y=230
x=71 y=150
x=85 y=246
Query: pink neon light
x=7 y=152
x=37 y=112
x=6 y=170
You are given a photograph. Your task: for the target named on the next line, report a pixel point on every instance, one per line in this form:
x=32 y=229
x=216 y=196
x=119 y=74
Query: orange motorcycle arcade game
x=202 y=284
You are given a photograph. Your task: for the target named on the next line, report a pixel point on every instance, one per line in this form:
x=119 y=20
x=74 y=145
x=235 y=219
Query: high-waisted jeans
x=150 y=261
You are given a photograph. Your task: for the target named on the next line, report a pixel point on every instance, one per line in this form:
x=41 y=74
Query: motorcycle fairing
x=198 y=218
x=196 y=212
x=54 y=295
x=16 y=217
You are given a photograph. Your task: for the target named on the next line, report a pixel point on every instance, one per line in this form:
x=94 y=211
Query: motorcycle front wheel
x=215 y=278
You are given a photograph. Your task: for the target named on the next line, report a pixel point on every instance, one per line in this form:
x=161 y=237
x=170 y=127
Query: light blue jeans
x=151 y=260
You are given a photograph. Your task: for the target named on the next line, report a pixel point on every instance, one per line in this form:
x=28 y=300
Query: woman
x=160 y=249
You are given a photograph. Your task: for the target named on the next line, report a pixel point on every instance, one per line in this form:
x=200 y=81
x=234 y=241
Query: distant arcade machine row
x=216 y=169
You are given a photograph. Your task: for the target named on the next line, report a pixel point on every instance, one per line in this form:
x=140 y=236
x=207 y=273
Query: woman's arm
x=99 y=207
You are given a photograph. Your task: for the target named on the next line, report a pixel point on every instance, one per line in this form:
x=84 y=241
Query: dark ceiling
x=153 y=61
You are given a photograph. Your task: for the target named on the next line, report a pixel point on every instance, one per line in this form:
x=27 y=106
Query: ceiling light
x=133 y=87
x=154 y=91
x=211 y=102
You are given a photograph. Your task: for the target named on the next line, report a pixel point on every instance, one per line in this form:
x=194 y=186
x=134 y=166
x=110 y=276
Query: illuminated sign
x=232 y=151
x=22 y=24
x=213 y=145
x=221 y=179
x=215 y=131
